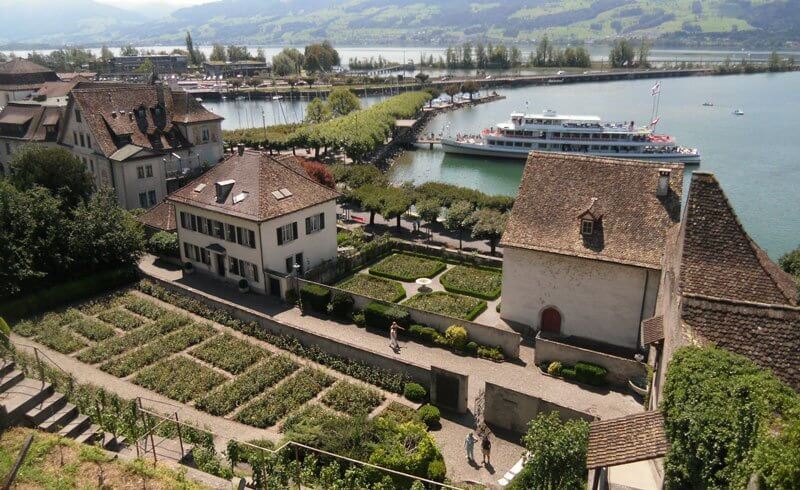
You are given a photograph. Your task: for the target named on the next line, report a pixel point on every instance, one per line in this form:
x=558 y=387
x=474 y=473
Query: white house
x=584 y=245
x=255 y=217
x=140 y=139
x=24 y=123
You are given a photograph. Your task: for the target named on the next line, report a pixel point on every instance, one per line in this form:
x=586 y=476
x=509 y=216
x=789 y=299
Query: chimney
x=240 y=149
x=663 y=182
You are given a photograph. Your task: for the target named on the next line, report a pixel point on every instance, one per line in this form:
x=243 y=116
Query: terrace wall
x=512 y=410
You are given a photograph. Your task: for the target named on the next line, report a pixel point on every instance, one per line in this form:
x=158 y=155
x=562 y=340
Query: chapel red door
x=551 y=321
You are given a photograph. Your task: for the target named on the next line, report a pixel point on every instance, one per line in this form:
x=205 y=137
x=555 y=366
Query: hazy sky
x=128 y=4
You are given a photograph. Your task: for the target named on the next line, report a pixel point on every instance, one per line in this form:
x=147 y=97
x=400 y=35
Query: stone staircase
x=33 y=403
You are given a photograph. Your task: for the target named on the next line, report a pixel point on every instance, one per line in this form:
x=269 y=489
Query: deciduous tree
x=458 y=218
x=557 y=452
x=488 y=224
x=342 y=101
x=53 y=168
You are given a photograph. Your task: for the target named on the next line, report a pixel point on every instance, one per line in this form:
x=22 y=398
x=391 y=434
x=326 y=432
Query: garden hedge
x=590 y=373
x=485 y=276
x=402 y=267
x=341 y=305
x=68 y=292
x=316 y=297
x=379 y=315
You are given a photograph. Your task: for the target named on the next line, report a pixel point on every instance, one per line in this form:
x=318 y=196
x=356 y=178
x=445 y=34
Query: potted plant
x=243 y=286
x=188 y=268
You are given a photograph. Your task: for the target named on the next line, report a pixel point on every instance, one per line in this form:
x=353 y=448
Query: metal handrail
x=310 y=448
x=36 y=351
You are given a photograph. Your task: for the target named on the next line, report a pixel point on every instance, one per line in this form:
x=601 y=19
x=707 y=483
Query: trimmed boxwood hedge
x=407 y=267
x=374 y=287
x=481 y=282
x=315 y=297
x=447 y=304
x=379 y=315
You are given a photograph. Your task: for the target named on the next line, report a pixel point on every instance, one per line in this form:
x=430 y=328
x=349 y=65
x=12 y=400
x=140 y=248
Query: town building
x=584 y=244
x=57 y=93
x=255 y=217
x=230 y=69
x=162 y=63
x=22 y=123
x=20 y=78
x=142 y=140
x=720 y=288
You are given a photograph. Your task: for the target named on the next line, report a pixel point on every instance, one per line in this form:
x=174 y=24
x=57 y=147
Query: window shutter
x=308 y=225
x=321 y=221
x=294 y=230
x=280 y=236
x=251 y=237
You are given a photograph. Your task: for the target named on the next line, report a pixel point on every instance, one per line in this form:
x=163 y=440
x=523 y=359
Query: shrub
x=472 y=348
x=554 y=368
x=374 y=287
x=436 y=470
x=164 y=243
x=590 y=373
x=5 y=330
x=352 y=399
x=359 y=319
x=341 y=305
x=243 y=284
x=315 y=297
x=415 y=392
x=456 y=336
x=398 y=413
x=557 y=453
x=493 y=353
x=378 y=315
x=429 y=415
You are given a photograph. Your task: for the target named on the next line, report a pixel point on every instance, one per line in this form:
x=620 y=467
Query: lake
x=756 y=157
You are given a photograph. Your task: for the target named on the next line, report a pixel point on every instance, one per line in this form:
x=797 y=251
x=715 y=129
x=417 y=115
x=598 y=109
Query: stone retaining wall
x=512 y=410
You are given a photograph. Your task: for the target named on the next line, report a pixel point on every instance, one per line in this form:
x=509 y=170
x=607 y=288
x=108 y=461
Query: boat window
x=518 y=143
x=491 y=142
x=542 y=146
x=528 y=145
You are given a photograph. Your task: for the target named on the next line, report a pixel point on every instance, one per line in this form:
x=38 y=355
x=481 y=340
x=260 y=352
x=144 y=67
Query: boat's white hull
x=467 y=148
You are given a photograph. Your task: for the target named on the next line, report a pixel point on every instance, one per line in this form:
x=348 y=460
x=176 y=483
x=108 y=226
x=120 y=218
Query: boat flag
x=655 y=88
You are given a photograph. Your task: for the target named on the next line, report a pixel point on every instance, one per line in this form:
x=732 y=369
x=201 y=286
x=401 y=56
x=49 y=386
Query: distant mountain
x=428 y=22
x=57 y=22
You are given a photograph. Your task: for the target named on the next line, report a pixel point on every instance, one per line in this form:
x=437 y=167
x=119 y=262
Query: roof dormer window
x=587 y=226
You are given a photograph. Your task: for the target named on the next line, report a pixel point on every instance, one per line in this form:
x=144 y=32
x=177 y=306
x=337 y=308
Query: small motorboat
x=738 y=112
x=277 y=97
x=708 y=104
x=198 y=99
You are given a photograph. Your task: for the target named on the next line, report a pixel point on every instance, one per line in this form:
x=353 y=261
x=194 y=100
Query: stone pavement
x=522 y=375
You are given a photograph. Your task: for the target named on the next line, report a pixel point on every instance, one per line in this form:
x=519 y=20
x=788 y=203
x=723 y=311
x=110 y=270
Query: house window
x=193 y=220
x=245 y=237
x=230 y=233
x=201 y=224
x=88 y=141
x=187 y=250
x=151 y=197
x=206 y=135
x=8 y=148
x=315 y=223
x=184 y=220
x=287 y=233
x=587 y=227
x=82 y=141
x=205 y=256
x=140 y=172
x=233 y=266
x=149 y=170
x=219 y=230
x=75 y=138
x=77 y=116
x=91 y=162
x=142 y=199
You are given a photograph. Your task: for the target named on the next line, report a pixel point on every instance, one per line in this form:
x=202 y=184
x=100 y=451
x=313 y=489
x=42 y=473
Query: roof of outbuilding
x=161 y=216
x=259 y=176
x=719 y=258
x=623 y=440
x=653 y=330
x=769 y=335
x=558 y=188
x=34 y=117
x=21 y=73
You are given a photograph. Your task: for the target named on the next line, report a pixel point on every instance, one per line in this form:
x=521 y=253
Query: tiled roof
x=59 y=89
x=767 y=335
x=259 y=176
x=637 y=437
x=22 y=72
x=161 y=216
x=558 y=188
x=34 y=118
x=719 y=259
x=112 y=112
x=653 y=330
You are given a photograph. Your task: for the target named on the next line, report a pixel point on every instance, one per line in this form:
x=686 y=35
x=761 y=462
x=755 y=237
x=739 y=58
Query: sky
x=132 y=4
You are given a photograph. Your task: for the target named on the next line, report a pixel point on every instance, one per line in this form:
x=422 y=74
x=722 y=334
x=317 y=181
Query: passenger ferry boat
x=555 y=132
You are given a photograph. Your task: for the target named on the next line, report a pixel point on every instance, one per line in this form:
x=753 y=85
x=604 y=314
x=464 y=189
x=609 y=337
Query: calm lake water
x=756 y=157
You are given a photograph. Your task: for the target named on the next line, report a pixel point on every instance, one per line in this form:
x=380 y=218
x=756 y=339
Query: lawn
x=374 y=287
x=473 y=281
x=407 y=267
x=179 y=378
x=288 y=396
x=352 y=399
x=229 y=353
x=448 y=304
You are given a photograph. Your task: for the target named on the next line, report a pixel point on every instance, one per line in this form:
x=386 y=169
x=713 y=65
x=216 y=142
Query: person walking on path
x=393 y=329
x=469 y=446
x=486 y=449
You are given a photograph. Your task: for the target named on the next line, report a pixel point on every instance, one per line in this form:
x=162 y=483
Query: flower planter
x=188 y=268
x=636 y=389
x=243 y=286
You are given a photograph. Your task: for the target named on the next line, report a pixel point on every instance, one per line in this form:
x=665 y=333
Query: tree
x=128 y=50
x=342 y=101
x=146 y=67
x=429 y=210
x=237 y=53
x=644 y=52
x=260 y=56
x=320 y=57
x=622 y=54
x=480 y=56
x=458 y=218
x=422 y=77
x=396 y=201
x=190 y=49
x=451 y=90
x=105 y=53
x=317 y=111
x=790 y=262
x=488 y=224
x=470 y=87
x=53 y=168
x=218 y=53
x=370 y=197
x=319 y=173
x=287 y=62
x=557 y=452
